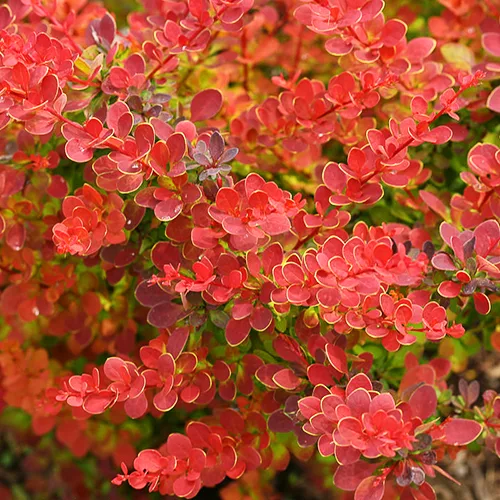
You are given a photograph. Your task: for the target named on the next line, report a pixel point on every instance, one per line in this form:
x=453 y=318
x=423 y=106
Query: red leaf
x=164 y=253
x=97 y=403
x=177 y=147
x=190 y=393
x=309 y=406
x=434 y=203
x=337 y=358
x=482 y=303
x=150 y=460
x=443 y=262
x=279 y=422
x=286 y=379
x=348 y=477
x=205 y=105
x=493 y=101
x=179 y=445
x=165 y=400
x=168 y=209
x=449 y=289
x=275 y=224
x=16 y=236
x=165 y=314
x=261 y=318
x=423 y=402
x=460 y=431
x=371 y=488
x=227 y=200
x=137 y=407
x=237 y=331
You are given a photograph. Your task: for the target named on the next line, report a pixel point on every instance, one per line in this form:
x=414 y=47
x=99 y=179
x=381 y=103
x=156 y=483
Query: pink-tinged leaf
x=177 y=147
x=449 y=289
x=205 y=105
x=183 y=487
x=371 y=488
x=190 y=393
x=423 y=402
x=359 y=401
x=6 y=16
x=275 y=224
x=422 y=373
x=491 y=43
x=114 y=368
x=166 y=365
x=321 y=374
x=393 y=32
x=16 y=236
x=165 y=400
x=460 y=431
x=227 y=200
x=250 y=456
x=359 y=380
x=447 y=232
x=279 y=422
x=326 y=446
x=487 y=236
x=347 y=455
x=420 y=48
x=177 y=341
x=145 y=137
x=97 y=403
x=261 y=318
x=168 y=209
x=337 y=47
x=434 y=203
x=151 y=295
x=58 y=187
x=165 y=315
x=424 y=492
x=150 y=460
x=179 y=446
x=443 y=262
x=164 y=253
x=286 y=379
x=482 y=303
x=438 y=135
x=137 y=407
x=337 y=358
x=470 y=392
x=309 y=406
x=78 y=152
x=237 y=331
x=348 y=477
x=119 y=77
x=493 y=101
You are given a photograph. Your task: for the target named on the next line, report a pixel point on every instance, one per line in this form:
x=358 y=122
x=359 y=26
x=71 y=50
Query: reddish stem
x=306 y=239
x=61 y=28
x=244 y=57
x=169 y=57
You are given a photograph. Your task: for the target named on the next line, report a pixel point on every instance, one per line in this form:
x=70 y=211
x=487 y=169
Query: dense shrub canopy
x=240 y=233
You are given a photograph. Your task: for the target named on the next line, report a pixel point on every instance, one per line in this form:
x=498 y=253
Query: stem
x=74 y=79
x=244 y=56
x=167 y=58
x=298 y=50
x=306 y=239
x=192 y=67
x=61 y=28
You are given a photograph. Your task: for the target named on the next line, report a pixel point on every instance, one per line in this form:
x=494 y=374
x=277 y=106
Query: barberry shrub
x=236 y=233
